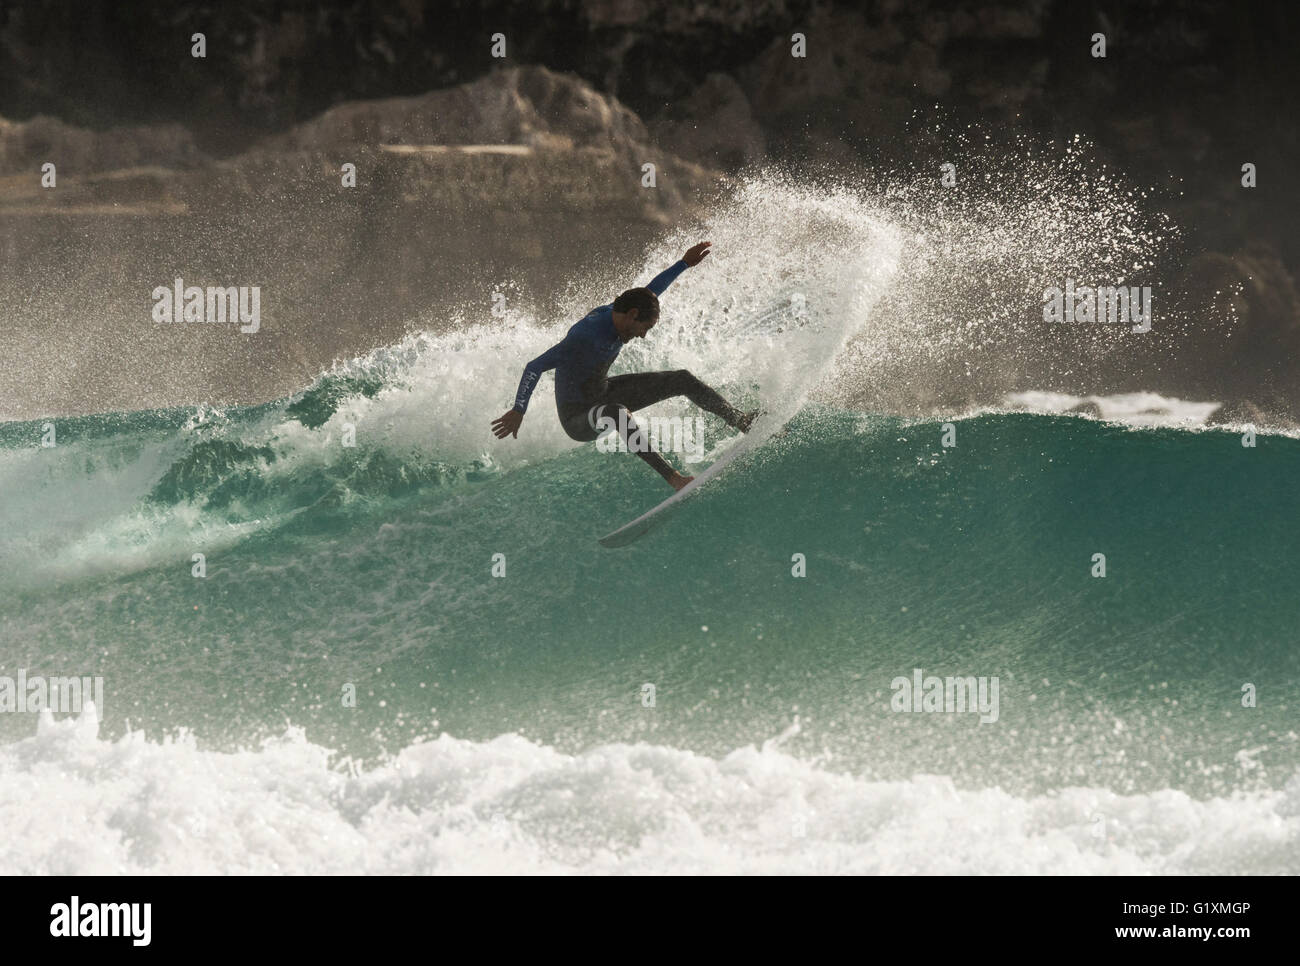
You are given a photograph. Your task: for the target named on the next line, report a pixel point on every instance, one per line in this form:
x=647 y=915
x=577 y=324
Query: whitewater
x=409 y=655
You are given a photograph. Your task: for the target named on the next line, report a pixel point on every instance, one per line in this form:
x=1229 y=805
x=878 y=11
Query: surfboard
x=764 y=427
x=808 y=342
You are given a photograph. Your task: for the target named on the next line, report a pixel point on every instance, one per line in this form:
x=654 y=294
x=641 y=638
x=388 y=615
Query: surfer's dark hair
x=643 y=300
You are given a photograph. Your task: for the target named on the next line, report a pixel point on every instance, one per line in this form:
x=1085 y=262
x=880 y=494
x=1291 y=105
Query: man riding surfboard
x=584 y=391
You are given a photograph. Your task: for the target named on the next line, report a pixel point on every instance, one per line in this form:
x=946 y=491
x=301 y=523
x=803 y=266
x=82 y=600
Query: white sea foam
x=1133 y=408
x=71 y=803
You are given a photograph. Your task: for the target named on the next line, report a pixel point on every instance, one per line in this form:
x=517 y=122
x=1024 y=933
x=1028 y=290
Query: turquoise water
x=376 y=571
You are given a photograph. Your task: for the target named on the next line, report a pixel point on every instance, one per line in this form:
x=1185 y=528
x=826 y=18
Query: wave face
x=410 y=654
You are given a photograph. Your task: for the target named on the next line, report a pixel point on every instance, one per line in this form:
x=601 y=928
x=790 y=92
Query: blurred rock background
x=225 y=169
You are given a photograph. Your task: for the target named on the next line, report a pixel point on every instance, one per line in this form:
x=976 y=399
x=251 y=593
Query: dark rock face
x=531 y=106
x=26 y=145
x=713 y=125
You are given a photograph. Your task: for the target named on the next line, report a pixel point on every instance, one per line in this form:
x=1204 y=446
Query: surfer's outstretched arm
x=694 y=255
x=508 y=423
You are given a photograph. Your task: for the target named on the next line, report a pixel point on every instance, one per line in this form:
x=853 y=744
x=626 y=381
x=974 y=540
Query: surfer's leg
x=640 y=389
x=583 y=424
x=639 y=443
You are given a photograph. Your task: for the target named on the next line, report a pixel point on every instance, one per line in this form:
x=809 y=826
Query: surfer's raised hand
x=695 y=254
x=507 y=425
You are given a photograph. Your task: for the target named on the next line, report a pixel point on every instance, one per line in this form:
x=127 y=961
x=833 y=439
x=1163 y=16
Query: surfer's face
x=637 y=328
x=630 y=326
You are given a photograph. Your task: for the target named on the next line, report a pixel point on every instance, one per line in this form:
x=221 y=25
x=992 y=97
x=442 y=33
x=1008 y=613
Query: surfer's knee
x=577 y=433
x=579 y=426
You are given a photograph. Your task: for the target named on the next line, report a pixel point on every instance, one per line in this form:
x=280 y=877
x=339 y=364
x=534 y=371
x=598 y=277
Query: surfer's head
x=635 y=313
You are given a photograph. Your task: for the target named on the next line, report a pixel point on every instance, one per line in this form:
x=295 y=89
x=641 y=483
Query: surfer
x=584 y=393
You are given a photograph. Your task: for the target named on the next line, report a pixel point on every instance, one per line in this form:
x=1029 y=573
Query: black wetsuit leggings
x=636 y=391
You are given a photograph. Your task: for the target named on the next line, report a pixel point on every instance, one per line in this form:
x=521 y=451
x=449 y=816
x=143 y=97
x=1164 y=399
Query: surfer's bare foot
x=678 y=481
x=747 y=420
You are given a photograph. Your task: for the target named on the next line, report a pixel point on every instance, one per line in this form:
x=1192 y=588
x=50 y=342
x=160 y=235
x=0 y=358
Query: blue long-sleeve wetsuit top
x=582 y=358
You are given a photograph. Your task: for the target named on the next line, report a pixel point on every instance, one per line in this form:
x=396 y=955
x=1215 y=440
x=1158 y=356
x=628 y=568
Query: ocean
x=403 y=651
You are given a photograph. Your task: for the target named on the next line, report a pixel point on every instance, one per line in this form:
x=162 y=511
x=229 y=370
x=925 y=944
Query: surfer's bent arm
x=533 y=371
